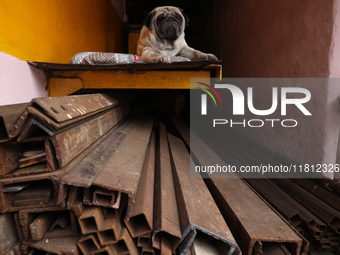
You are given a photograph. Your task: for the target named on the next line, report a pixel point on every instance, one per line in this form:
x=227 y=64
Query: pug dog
x=162 y=38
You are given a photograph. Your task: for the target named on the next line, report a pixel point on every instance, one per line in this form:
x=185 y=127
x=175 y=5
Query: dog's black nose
x=170 y=20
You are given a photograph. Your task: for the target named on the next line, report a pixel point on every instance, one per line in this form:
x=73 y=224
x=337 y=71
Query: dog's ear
x=148 y=20
x=186 y=18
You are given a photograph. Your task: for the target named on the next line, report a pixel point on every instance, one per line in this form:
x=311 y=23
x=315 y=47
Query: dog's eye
x=179 y=17
x=160 y=18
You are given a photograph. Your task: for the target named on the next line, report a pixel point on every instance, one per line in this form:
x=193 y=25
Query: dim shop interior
x=102 y=159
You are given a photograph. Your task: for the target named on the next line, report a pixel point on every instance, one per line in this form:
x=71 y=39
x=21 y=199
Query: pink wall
x=19 y=82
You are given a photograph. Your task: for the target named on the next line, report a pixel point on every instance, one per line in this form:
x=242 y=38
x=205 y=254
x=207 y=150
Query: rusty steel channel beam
x=47 y=223
x=259 y=224
x=322 y=210
x=166 y=218
x=123 y=169
x=59 y=112
x=8 y=117
x=86 y=169
x=8 y=233
x=192 y=197
x=61 y=246
x=140 y=219
x=16 y=158
x=66 y=145
x=74 y=141
x=32 y=191
x=15 y=249
x=242 y=209
x=9 y=157
x=319 y=191
x=272 y=196
x=252 y=155
x=310 y=219
x=108 y=198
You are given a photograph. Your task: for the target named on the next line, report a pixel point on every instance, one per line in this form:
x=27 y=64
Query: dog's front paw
x=180 y=59
x=166 y=59
x=208 y=56
x=171 y=59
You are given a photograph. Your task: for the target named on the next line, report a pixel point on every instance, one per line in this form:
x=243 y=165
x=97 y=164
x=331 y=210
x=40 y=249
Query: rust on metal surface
x=8 y=233
x=109 y=231
x=47 y=223
x=235 y=208
x=106 y=250
x=124 y=167
x=108 y=198
x=8 y=117
x=65 y=245
x=85 y=171
x=192 y=193
x=74 y=141
x=91 y=220
x=308 y=218
x=41 y=224
x=51 y=158
x=88 y=244
x=126 y=244
x=9 y=157
x=144 y=240
x=166 y=218
x=36 y=159
x=271 y=195
x=319 y=191
x=31 y=196
x=204 y=245
x=59 y=112
x=165 y=245
x=15 y=156
x=30 y=170
x=140 y=220
x=322 y=210
x=63 y=109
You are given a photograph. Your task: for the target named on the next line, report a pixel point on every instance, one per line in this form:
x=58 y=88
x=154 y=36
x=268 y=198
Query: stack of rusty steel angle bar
x=84 y=175
x=87 y=174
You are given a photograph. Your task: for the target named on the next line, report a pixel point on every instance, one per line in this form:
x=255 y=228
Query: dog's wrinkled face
x=167 y=22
